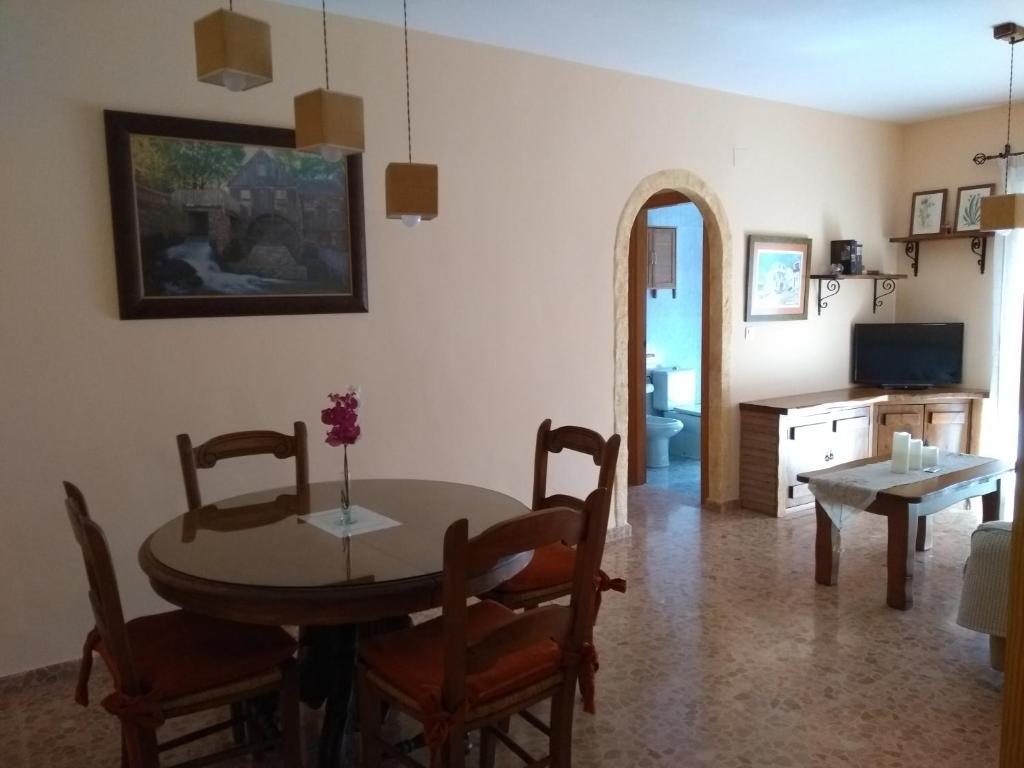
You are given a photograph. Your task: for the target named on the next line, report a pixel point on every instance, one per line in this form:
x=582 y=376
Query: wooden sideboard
x=784 y=436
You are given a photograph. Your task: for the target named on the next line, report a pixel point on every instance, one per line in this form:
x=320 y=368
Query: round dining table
x=284 y=556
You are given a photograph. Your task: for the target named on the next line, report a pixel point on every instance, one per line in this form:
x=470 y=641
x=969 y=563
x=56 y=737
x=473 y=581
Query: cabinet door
x=896 y=418
x=661 y=250
x=808 y=447
x=948 y=425
x=851 y=435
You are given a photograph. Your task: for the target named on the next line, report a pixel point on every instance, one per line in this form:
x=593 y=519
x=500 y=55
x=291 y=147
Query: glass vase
x=346 y=495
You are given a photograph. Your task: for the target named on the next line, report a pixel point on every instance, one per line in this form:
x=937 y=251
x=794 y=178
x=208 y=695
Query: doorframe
x=639 y=263
x=718 y=331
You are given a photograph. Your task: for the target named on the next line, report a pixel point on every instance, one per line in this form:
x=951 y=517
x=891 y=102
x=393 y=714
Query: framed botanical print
x=968 y=206
x=927 y=212
x=777 y=277
x=218 y=219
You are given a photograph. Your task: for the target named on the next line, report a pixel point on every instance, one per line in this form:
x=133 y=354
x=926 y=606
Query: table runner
x=363 y=521
x=846 y=491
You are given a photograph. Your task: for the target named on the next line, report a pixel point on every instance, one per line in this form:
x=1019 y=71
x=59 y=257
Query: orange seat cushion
x=551 y=566
x=411 y=661
x=179 y=653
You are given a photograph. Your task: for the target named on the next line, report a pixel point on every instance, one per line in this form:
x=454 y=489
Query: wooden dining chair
x=234 y=444
x=549 y=575
x=177 y=663
x=477 y=665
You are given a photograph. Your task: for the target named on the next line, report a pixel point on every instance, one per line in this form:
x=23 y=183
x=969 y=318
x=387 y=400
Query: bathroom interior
x=674 y=316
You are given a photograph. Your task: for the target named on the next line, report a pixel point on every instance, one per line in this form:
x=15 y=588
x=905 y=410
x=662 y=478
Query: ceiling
x=900 y=60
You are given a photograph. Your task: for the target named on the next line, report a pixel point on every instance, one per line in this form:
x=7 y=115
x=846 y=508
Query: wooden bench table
x=907 y=507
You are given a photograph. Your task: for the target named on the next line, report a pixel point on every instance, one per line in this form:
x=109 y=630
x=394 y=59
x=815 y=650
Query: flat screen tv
x=908 y=355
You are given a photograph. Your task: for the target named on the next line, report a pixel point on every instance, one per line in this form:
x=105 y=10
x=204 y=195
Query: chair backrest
x=103 y=592
x=234 y=444
x=605 y=453
x=464 y=559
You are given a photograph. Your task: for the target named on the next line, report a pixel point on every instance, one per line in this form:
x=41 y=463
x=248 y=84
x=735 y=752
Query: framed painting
x=215 y=219
x=777 y=277
x=927 y=212
x=968 y=206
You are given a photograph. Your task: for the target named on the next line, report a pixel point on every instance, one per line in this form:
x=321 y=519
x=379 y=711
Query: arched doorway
x=718 y=329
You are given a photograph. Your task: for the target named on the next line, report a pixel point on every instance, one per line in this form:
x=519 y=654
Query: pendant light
x=1005 y=211
x=233 y=50
x=327 y=121
x=410 y=189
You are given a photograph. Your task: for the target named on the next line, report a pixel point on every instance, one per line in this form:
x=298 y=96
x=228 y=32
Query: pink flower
x=342 y=418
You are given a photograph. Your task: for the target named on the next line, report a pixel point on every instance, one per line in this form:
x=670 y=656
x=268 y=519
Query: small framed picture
x=968 y=206
x=777 y=277
x=927 y=212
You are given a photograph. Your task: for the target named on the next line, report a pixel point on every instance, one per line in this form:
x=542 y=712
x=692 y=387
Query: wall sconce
x=410 y=189
x=233 y=50
x=1005 y=211
x=327 y=121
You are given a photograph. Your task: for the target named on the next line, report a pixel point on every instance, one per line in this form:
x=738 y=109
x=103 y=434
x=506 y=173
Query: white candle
x=930 y=456
x=915 y=453
x=901 y=452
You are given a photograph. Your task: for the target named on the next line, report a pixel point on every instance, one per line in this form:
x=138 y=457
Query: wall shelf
x=831 y=282
x=979 y=244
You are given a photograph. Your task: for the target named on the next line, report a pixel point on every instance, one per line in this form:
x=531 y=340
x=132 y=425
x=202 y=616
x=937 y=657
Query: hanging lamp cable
x=408 y=108
x=327 y=69
x=1007 y=153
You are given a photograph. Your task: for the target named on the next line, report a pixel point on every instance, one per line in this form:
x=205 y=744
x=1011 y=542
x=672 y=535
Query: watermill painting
x=777 y=277
x=227 y=219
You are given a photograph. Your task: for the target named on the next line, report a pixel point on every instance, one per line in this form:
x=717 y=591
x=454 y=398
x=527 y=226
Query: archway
x=719 y=331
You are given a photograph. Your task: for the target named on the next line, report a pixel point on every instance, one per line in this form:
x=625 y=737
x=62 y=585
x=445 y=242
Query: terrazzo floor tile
x=724 y=653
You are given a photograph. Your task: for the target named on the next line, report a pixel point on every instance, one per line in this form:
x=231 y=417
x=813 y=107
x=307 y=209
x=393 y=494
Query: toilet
x=673 y=402
x=659 y=430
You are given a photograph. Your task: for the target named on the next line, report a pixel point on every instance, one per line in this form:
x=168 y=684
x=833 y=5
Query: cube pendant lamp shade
x=233 y=50
x=410 y=189
x=329 y=120
x=1002 y=212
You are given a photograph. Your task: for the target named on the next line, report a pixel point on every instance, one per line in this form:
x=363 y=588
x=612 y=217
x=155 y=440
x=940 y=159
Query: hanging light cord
x=408 y=109
x=1009 y=117
x=1006 y=154
x=327 y=69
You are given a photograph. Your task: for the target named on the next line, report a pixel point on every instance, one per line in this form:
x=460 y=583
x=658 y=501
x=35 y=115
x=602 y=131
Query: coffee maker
x=847 y=253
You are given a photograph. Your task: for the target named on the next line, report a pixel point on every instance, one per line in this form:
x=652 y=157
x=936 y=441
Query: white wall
x=481 y=323
x=949 y=287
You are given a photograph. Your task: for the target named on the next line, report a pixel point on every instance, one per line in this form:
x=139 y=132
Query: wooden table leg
x=900 y=560
x=826 y=548
x=990 y=504
x=924 y=533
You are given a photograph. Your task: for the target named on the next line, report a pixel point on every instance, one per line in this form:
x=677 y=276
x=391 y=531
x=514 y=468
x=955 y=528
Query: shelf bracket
x=888 y=288
x=913 y=251
x=831 y=285
x=979 y=246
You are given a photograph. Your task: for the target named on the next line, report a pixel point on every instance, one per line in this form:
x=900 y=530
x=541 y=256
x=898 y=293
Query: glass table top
x=262 y=539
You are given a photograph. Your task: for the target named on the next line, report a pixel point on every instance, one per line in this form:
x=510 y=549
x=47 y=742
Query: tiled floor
x=723 y=653
x=681 y=476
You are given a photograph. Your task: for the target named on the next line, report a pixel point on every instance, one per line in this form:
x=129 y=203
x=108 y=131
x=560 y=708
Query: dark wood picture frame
x=133 y=300
x=959 y=223
x=926 y=230
x=771 y=265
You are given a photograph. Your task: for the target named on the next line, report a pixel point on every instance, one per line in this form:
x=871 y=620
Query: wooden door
x=896 y=418
x=947 y=425
x=636 y=354
x=851 y=435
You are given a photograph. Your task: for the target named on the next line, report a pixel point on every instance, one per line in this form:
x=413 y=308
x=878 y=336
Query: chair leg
x=238 y=722
x=455 y=749
x=562 y=704
x=140 y=746
x=291 y=726
x=488 y=742
x=369 y=721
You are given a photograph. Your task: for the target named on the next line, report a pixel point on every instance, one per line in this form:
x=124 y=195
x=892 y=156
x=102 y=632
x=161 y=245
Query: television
x=907 y=355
